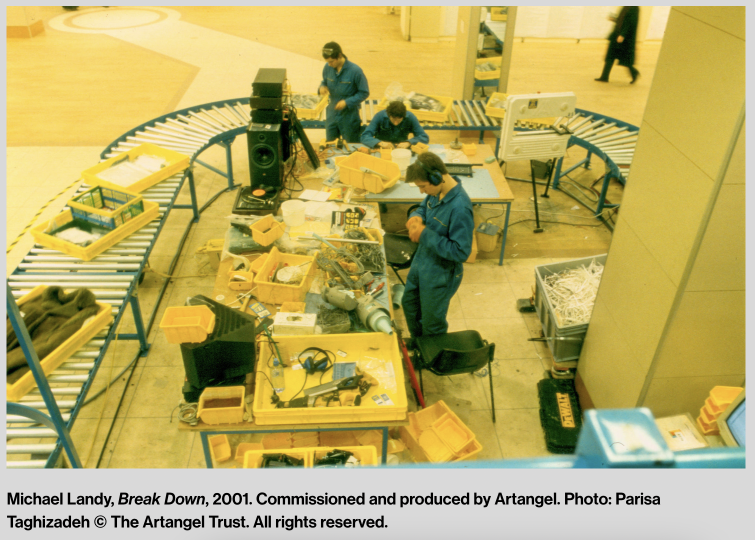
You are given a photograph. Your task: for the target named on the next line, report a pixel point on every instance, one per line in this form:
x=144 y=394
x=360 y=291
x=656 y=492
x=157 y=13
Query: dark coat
x=626 y=26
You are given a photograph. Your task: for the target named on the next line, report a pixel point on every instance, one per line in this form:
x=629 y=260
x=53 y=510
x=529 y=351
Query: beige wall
x=669 y=320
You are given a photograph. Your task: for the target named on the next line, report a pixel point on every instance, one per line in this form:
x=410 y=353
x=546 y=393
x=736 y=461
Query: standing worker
x=622 y=42
x=443 y=226
x=391 y=128
x=347 y=86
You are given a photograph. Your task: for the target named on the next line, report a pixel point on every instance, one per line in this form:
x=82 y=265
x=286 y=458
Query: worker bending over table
x=347 y=86
x=443 y=226
x=391 y=128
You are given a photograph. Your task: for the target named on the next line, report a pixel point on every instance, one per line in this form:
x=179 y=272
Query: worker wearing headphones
x=443 y=226
x=391 y=128
x=347 y=86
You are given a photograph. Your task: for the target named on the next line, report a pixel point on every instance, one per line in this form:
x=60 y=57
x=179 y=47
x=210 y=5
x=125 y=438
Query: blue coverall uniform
x=437 y=267
x=350 y=85
x=381 y=129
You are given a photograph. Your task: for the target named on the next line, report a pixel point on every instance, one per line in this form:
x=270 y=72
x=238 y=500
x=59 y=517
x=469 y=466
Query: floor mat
x=560 y=414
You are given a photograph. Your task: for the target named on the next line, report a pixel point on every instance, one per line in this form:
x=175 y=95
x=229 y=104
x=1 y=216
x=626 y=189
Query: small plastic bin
x=367 y=455
x=310 y=114
x=496 y=105
x=427 y=116
x=176 y=162
x=253 y=458
x=562 y=350
x=722 y=396
x=240 y=281
x=187 y=324
x=245 y=447
x=220 y=448
x=63 y=352
x=488 y=75
x=221 y=405
x=352 y=174
x=437 y=435
x=277 y=293
x=66 y=220
x=267 y=230
x=108 y=208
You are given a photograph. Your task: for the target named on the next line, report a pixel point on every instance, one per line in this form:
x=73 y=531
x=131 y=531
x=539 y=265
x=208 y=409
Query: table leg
x=206 y=449
x=385 y=446
x=505 y=231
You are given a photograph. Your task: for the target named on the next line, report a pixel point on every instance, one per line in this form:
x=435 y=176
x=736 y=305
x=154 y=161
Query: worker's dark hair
x=396 y=109
x=426 y=164
x=331 y=50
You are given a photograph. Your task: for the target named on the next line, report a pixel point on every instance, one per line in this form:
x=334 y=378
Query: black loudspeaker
x=265 y=155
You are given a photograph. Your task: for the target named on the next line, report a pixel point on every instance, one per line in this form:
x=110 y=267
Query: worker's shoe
x=601 y=79
x=635 y=75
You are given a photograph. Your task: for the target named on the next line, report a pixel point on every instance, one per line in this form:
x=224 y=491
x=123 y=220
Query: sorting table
x=221 y=290
x=484 y=195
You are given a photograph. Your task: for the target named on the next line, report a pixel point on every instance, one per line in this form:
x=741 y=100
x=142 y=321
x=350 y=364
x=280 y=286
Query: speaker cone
x=263 y=156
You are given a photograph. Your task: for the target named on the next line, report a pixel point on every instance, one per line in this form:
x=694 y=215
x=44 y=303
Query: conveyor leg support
x=139 y=322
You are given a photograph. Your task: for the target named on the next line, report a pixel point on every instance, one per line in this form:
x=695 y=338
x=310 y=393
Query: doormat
x=560 y=414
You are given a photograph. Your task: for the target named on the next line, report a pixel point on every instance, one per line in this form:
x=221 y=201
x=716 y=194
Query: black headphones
x=311 y=365
x=435 y=177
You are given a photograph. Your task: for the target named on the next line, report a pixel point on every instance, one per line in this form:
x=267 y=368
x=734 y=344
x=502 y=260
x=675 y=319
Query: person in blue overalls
x=347 y=86
x=391 y=128
x=443 y=226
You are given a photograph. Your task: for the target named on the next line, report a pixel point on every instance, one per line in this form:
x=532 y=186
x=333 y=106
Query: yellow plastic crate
x=151 y=211
x=267 y=230
x=217 y=405
x=367 y=455
x=187 y=324
x=253 y=458
x=63 y=352
x=109 y=208
x=176 y=162
x=220 y=448
x=357 y=347
x=496 y=111
x=277 y=293
x=437 y=435
x=427 y=116
x=352 y=175
x=488 y=75
x=311 y=114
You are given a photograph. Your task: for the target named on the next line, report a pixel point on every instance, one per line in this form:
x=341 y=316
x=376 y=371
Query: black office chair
x=399 y=252
x=454 y=353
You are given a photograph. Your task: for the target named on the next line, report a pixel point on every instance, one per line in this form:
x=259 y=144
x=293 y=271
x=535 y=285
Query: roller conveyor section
x=112 y=276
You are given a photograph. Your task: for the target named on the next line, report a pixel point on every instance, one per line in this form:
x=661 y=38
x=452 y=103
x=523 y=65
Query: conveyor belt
x=112 y=277
x=113 y=274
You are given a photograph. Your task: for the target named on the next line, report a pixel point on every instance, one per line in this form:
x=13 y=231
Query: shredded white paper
x=572 y=293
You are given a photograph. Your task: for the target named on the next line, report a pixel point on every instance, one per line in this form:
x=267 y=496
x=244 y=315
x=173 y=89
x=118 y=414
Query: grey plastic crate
x=563 y=351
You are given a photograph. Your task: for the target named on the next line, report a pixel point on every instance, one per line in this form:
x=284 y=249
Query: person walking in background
x=622 y=42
